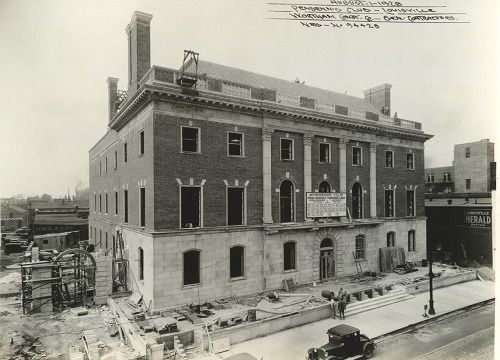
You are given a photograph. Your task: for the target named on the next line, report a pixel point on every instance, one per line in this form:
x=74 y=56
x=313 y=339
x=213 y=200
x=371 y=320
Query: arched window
x=326 y=243
x=289 y=251
x=192 y=267
x=237 y=261
x=360 y=247
x=357 y=201
x=324 y=187
x=411 y=240
x=287 y=196
x=391 y=239
x=141 y=264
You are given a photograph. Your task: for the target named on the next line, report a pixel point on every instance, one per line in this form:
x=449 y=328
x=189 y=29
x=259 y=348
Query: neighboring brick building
x=207 y=187
x=473 y=164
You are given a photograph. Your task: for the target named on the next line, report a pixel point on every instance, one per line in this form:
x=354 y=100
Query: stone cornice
x=172 y=93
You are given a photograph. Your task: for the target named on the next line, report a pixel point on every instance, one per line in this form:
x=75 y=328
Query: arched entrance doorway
x=357 y=201
x=326 y=259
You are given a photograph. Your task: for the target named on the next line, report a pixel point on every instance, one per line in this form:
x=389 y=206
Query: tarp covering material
x=390 y=257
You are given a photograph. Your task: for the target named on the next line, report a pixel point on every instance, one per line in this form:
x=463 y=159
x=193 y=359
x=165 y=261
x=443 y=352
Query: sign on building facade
x=320 y=205
x=478 y=218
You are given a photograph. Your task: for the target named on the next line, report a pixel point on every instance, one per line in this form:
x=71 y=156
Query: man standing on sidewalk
x=333 y=305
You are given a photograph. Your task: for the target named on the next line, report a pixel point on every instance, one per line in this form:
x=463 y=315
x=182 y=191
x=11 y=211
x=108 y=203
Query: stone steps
x=390 y=297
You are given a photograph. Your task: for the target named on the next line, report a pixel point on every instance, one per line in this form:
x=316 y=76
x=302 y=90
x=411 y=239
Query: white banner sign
x=325 y=204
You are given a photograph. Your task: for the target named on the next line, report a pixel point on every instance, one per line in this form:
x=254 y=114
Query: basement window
x=411 y=240
x=391 y=239
x=190 y=206
x=141 y=264
x=235 y=206
x=286 y=149
x=190 y=139
x=192 y=267
x=289 y=256
x=235 y=144
x=324 y=153
x=360 y=247
x=236 y=260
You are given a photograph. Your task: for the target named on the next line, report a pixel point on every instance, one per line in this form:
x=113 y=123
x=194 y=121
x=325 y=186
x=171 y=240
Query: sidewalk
x=293 y=343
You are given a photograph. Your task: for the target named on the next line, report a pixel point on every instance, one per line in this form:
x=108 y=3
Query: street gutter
x=417 y=325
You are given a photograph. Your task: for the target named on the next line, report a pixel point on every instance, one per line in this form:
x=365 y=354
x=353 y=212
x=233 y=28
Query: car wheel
x=368 y=351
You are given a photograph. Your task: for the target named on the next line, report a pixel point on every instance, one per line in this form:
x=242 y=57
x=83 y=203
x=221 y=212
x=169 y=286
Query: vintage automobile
x=344 y=341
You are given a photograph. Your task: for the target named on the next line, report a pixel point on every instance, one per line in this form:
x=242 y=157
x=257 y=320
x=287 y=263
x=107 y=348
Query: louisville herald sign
x=325 y=204
x=478 y=218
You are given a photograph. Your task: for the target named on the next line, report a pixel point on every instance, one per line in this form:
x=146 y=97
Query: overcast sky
x=55 y=57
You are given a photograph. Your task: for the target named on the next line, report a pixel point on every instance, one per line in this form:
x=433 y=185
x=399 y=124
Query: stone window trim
x=201 y=204
x=293 y=262
x=355 y=160
x=293 y=200
x=198 y=140
x=389 y=164
x=292 y=151
x=242 y=146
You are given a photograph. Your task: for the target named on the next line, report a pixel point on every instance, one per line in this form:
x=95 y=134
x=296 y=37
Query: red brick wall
x=330 y=169
x=294 y=167
x=363 y=171
x=212 y=164
x=400 y=176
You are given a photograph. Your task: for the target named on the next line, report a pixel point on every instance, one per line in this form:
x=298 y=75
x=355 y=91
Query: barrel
x=327 y=294
x=252 y=315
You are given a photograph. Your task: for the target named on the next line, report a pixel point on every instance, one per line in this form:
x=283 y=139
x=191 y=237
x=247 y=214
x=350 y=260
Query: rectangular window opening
x=125 y=155
x=190 y=139
x=235 y=144
x=190 y=206
x=125 y=206
x=389 y=159
x=324 y=152
x=467 y=152
x=142 y=200
x=286 y=149
x=389 y=203
x=357 y=156
x=410 y=161
x=235 y=206
x=141 y=142
x=116 y=202
x=106 y=203
x=115 y=165
x=360 y=247
x=236 y=260
x=467 y=184
x=411 y=241
x=191 y=267
x=289 y=256
x=410 y=203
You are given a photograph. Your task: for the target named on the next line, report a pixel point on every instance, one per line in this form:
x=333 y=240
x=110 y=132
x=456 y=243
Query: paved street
x=293 y=343
x=465 y=336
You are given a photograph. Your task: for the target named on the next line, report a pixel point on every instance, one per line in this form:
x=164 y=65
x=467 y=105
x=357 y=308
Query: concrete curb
x=407 y=328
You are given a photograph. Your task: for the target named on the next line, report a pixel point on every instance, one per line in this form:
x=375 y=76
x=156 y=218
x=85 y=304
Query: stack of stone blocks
x=103 y=278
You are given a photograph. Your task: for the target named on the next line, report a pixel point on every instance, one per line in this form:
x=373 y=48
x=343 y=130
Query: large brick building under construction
x=205 y=179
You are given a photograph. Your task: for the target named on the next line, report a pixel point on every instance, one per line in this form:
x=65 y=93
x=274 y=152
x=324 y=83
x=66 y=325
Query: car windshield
x=335 y=338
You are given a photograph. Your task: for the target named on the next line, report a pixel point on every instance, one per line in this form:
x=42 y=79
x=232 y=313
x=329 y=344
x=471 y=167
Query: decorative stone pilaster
x=267 y=216
x=373 y=180
x=308 y=139
x=343 y=164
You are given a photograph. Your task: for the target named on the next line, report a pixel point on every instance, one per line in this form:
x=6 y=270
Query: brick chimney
x=139 y=53
x=112 y=97
x=380 y=97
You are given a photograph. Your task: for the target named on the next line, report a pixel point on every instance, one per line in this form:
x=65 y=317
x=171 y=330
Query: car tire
x=368 y=351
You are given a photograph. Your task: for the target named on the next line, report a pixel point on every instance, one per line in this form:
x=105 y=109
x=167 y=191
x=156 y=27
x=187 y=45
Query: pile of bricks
x=103 y=279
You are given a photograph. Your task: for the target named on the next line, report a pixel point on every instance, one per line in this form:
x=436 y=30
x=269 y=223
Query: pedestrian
x=342 y=296
x=333 y=306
